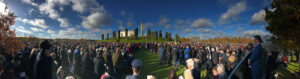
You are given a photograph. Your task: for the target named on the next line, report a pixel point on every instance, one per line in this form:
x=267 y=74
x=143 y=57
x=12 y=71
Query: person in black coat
x=215 y=57
x=42 y=66
x=88 y=68
x=31 y=62
x=99 y=65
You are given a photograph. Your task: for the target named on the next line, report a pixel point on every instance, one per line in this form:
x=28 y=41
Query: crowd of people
x=220 y=59
x=71 y=60
x=97 y=60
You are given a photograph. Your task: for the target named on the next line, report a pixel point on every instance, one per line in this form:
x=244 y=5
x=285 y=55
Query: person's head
x=257 y=39
x=45 y=46
x=220 y=68
x=136 y=64
x=172 y=74
x=214 y=71
x=190 y=64
x=212 y=49
x=233 y=52
x=231 y=59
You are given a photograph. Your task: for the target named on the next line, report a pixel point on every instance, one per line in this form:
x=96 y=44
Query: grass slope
x=151 y=67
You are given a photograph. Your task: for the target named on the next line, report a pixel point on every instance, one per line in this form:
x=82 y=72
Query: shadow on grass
x=151 y=65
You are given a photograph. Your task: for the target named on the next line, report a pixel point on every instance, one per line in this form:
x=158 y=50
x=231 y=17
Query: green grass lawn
x=287 y=73
x=151 y=67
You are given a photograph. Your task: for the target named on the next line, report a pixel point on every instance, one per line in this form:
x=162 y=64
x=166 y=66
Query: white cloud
x=86 y=5
x=21 y=29
x=74 y=33
x=258 y=17
x=61 y=8
x=36 y=29
x=51 y=32
x=233 y=12
x=69 y=31
x=187 y=30
x=251 y=33
x=95 y=21
x=36 y=22
x=201 y=23
x=3 y=11
x=63 y=22
x=30 y=2
x=30 y=11
x=201 y=30
x=48 y=8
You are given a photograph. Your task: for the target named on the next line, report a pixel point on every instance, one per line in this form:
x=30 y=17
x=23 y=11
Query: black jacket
x=42 y=67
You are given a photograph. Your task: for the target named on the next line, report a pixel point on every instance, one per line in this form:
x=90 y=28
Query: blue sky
x=88 y=19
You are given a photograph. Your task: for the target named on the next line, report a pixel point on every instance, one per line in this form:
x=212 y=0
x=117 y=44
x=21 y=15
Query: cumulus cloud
x=74 y=33
x=3 y=11
x=201 y=23
x=48 y=7
x=233 y=12
x=63 y=22
x=36 y=29
x=86 y=5
x=95 y=21
x=251 y=33
x=258 y=17
x=21 y=29
x=30 y=2
x=36 y=22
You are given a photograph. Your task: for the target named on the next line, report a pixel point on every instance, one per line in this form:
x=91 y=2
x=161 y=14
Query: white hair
x=190 y=62
x=220 y=68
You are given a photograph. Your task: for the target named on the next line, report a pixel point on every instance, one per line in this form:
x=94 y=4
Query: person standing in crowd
x=221 y=74
x=117 y=62
x=77 y=62
x=42 y=67
x=187 y=52
x=107 y=57
x=31 y=63
x=87 y=66
x=215 y=57
x=257 y=60
x=161 y=55
x=297 y=55
x=175 y=57
x=99 y=65
x=136 y=69
x=188 y=72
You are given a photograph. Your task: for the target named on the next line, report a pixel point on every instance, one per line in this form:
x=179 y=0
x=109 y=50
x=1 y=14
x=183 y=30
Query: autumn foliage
x=8 y=42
